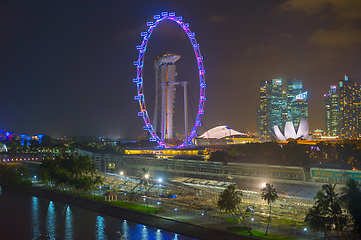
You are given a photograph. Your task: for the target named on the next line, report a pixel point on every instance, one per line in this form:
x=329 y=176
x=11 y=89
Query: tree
x=295 y=154
x=220 y=156
x=229 y=201
x=133 y=197
x=269 y=194
x=329 y=206
x=76 y=173
x=351 y=198
x=317 y=221
x=14 y=178
x=145 y=178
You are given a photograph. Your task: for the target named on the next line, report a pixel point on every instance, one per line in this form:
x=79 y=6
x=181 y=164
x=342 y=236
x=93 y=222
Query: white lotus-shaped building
x=290 y=132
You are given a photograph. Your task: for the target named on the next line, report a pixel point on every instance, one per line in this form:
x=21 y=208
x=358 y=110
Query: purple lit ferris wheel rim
x=139 y=79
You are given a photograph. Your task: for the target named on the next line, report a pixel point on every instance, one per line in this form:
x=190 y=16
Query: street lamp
x=121 y=173
x=305 y=230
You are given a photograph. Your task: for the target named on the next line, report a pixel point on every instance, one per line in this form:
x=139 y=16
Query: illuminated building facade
x=272 y=106
x=297 y=102
x=342 y=109
x=349 y=104
x=280 y=103
x=165 y=73
x=331 y=112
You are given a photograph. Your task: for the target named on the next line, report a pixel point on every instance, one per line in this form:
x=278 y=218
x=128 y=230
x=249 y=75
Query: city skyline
x=67 y=68
x=281 y=102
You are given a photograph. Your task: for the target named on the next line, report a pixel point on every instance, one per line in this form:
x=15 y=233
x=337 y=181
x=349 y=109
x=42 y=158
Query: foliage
x=229 y=201
x=133 y=197
x=14 y=178
x=295 y=154
x=145 y=179
x=71 y=172
x=327 y=213
x=269 y=194
x=220 y=156
x=352 y=199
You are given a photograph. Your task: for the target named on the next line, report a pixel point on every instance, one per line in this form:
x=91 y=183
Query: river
x=24 y=216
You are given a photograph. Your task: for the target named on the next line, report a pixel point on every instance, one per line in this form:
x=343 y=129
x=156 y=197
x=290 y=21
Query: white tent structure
x=3 y=147
x=221 y=132
x=290 y=132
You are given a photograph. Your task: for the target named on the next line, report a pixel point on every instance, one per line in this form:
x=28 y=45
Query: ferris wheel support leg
x=164 y=116
x=184 y=84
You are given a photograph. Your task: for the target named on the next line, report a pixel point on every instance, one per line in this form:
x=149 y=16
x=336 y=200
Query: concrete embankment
x=139 y=217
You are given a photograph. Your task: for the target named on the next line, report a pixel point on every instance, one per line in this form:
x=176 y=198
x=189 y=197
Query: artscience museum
x=303 y=131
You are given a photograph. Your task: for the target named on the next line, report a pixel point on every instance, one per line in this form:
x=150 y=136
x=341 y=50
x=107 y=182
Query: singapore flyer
x=139 y=79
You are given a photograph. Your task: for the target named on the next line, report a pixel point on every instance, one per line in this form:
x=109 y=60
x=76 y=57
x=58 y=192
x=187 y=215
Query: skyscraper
x=165 y=73
x=280 y=103
x=297 y=102
x=349 y=104
x=272 y=106
x=331 y=112
x=342 y=109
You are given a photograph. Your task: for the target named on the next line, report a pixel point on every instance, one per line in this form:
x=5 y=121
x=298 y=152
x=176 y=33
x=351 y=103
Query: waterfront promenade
x=198 y=224
x=164 y=222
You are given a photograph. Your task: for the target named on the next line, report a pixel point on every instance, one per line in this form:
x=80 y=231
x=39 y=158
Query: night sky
x=66 y=67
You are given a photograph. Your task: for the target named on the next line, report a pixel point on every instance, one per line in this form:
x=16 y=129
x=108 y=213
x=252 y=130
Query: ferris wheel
x=139 y=79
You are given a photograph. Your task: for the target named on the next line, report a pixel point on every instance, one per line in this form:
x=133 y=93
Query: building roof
x=110 y=194
x=290 y=132
x=221 y=132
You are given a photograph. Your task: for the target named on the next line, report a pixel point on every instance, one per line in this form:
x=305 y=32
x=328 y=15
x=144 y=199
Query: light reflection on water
x=41 y=218
x=158 y=235
x=35 y=218
x=51 y=221
x=125 y=234
x=99 y=230
x=68 y=224
x=144 y=233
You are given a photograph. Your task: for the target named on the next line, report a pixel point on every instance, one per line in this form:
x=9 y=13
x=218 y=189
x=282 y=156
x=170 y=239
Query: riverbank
x=179 y=227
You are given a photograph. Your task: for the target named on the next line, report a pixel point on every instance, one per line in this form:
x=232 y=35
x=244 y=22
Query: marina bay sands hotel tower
x=165 y=73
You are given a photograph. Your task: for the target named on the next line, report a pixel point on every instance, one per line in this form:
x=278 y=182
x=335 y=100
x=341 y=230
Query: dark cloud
x=345 y=36
x=345 y=14
x=66 y=67
x=286 y=35
x=217 y=18
x=344 y=10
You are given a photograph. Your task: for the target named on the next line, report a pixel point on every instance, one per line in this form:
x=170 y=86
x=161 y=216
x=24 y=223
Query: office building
x=349 y=104
x=342 y=109
x=297 y=102
x=280 y=103
x=331 y=112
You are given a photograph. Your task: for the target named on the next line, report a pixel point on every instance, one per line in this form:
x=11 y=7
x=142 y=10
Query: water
x=24 y=216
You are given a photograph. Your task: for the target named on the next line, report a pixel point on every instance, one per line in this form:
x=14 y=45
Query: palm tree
x=145 y=178
x=317 y=221
x=97 y=181
x=330 y=206
x=269 y=194
x=133 y=197
x=351 y=197
x=229 y=201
